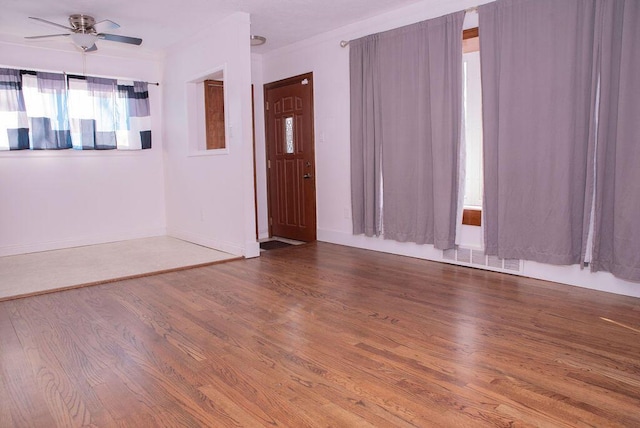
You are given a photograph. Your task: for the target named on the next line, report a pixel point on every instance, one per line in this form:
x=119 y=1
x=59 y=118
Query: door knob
x=307 y=176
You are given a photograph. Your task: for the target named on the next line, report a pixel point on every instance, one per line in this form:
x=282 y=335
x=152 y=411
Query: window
x=207 y=121
x=53 y=111
x=473 y=128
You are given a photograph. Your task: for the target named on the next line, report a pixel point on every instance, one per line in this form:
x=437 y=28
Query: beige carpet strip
x=35 y=273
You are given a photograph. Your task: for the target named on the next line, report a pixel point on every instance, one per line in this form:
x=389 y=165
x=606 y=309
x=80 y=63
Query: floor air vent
x=477 y=258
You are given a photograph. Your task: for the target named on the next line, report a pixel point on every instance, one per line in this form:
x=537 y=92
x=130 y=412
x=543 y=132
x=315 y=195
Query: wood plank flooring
x=321 y=335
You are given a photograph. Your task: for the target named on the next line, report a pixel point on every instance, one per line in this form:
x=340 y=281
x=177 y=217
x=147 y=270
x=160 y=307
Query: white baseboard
x=216 y=244
x=567 y=275
x=35 y=247
x=426 y=252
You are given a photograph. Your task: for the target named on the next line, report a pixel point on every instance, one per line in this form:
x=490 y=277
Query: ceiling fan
x=84 y=32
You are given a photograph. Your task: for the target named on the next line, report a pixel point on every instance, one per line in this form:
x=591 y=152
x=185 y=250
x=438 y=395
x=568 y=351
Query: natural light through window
x=56 y=111
x=473 y=130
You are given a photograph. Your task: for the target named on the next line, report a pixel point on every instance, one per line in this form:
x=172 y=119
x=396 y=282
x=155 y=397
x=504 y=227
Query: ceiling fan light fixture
x=83 y=32
x=257 y=40
x=84 y=40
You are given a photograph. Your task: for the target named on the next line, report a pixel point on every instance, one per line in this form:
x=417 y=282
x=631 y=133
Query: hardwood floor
x=321 y=335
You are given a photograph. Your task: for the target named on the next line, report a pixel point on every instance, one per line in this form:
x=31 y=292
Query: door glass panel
x=288 y=134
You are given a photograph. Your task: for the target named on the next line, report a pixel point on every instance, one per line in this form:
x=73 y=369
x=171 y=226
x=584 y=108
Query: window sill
x=472 y=217
x=25 y=154
x=210 y=152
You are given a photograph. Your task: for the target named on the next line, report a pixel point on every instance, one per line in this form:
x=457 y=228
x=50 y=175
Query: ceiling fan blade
x=121 y=39
x=51 y=23
x=105 y=24
x=45 y=36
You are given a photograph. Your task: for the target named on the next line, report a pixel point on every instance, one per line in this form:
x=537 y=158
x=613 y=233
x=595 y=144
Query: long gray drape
x=366 y=136
x=616 y=243
x=406 y=112
x=538 y=89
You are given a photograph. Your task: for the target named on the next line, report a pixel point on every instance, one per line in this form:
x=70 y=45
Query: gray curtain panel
x=538 y=90
x=616 y=243
x=366 y=136
x=407 y=108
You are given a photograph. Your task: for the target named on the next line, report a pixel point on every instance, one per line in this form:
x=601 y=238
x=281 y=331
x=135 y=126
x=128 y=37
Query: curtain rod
x=345 y=43
x=77 y=76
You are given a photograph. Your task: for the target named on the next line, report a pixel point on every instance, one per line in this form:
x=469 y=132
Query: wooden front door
x=290 y=158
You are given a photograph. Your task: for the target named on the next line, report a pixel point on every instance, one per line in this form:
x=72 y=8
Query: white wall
x=51 y=200
x=210 y=198
x=329 y=63
x=261 y=158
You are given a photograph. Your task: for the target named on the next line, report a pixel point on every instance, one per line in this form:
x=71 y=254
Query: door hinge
x=270 y=221
x=268 y=163
x=267 y=105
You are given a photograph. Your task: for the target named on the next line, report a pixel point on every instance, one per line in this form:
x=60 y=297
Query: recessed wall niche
x=206 y=114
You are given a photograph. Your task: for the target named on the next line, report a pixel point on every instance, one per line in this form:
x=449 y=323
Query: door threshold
x=286 y=240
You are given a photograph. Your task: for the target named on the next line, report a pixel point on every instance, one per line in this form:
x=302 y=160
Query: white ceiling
x=161 y=23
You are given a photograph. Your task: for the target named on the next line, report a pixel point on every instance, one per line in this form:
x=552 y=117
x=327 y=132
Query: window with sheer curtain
x=51 y=111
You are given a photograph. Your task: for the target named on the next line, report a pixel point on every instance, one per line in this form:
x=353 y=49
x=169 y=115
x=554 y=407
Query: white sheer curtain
x=45 y=111
x=45 y=98
x=109 y=114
